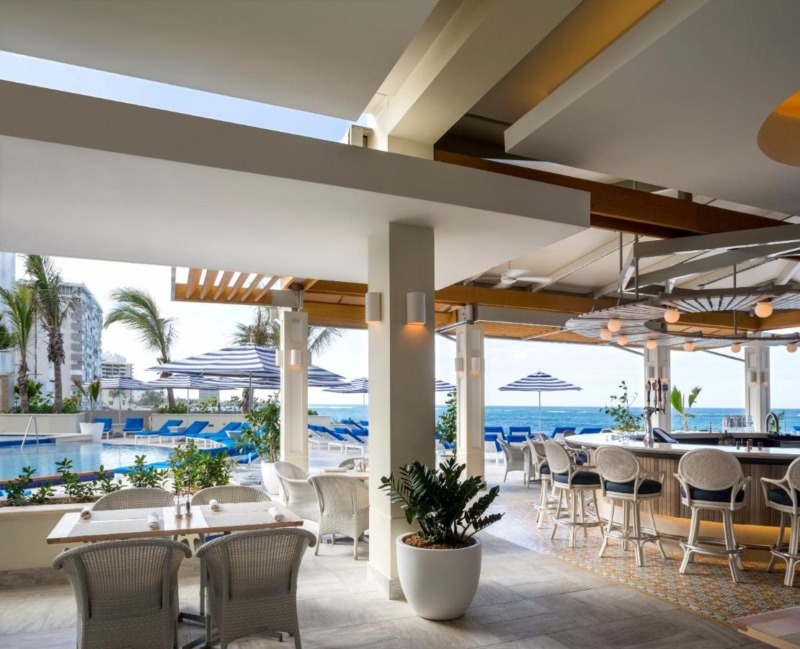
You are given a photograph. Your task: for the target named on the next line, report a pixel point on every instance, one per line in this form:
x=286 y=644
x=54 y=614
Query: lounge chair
x=590 y=430
x=560 y=430
x=342 y=440
x=364 y=423
x=162 y=430
x=491 y=445
x=107 y=424
x=347 y=432
x=518 y=434
x=192 y=430
x=133 y=425
x=353 y=422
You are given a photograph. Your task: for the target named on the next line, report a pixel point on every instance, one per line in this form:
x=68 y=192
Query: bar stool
x=540 y=470
x=784 y=497
x=573 y=481
x=623 y=480
x=713 y=480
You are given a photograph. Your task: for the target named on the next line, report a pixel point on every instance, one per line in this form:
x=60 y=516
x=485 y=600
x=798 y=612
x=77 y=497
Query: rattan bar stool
x=574 y=482
x=624 y=481
x=713 y=480
x=540 y=470
x=784 y=496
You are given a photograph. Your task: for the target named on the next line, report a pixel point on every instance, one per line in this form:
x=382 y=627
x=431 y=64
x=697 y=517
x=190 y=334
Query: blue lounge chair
x=133 y=425
x=162 y=430
x=591 y=430
x=518 y=434
x=107 y=423
x=192 y=430
x=353 y=422
x=560 y=430
x=346 y=432
x=340 y=439
x=364 y=423
x=494 y=429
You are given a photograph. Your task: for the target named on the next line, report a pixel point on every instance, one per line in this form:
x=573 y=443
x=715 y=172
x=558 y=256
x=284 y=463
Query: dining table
x=363 y=476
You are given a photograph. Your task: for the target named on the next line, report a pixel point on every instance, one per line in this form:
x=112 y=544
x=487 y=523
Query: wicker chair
x=712 y=479
x=135 y=498
x=125 y=589
x=624 y=481
x=343 y=506
x=572 y=481
x=784 y=496
x=222 y=494
x=253 y=582
x=517 y=459
x=350 y=462
x=298 y=492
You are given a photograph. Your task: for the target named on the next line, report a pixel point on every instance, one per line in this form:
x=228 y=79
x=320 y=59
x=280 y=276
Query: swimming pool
x=85 y=457
x=16 y=440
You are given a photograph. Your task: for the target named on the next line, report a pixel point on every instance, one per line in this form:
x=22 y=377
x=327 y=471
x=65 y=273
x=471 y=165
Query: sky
x=598 y=370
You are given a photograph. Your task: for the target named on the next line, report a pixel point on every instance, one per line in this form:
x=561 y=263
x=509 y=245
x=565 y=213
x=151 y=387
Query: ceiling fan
x=513 y=275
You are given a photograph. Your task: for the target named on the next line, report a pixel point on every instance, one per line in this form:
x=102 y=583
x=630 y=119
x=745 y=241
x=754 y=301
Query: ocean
x=577 y=416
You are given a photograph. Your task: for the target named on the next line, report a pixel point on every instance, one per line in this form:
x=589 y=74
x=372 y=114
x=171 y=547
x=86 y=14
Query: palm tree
x=21 y=312
x=53 y=305
x=137 y=310
x=265 y=330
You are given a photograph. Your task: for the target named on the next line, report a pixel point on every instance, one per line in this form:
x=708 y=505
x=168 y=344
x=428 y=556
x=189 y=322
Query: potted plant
x=263 y=437
x=91 y=393
x=440 y=566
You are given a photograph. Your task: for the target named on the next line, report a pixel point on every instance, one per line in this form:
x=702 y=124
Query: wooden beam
x=251 y=287
x=223 y=284
x=353 y=289
x=459 y=294
x=270 y=283
x=208 y=282
x=286 y=282
x=237 y=285
x=193 y=281
x=636 y=210
x=309 y=283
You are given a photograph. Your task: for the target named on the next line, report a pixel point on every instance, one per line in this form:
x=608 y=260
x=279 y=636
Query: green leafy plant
x=448 y=420
x=15 y=489
x=105 y=484
x=142 y=475
x=89 y=392
x=71 y=482
x=681 y=405
x=70 y=405
x=620 y=411
x=180 y=408
x=447 y=508
x=192 y=469
x=42 y=495
x=263 y=435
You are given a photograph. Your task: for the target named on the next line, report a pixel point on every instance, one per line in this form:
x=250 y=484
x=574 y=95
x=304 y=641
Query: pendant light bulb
x=651 y=344
x=736 y=348
x=622 y=340
x=763 y=309
x=791 y=348
x=688 y=346
x=672 y=315
x=614 y=325
x=605 y=334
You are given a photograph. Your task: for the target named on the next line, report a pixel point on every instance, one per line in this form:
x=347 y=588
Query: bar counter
x=757 y=464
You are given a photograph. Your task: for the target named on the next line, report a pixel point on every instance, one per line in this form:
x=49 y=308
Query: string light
x=688 y=346
x=605 y=334
x=672 y=315
x=622 y=340
x=614 y=325
x=791 y=348
x=763 y=309
x=736 y=348
x=651 y=344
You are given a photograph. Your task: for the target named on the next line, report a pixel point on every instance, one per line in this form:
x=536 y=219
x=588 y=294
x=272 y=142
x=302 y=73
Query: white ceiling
x=326 y=57
x=685 y=112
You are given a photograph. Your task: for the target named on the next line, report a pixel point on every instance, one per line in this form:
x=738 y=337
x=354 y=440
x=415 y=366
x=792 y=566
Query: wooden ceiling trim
x=194 y=281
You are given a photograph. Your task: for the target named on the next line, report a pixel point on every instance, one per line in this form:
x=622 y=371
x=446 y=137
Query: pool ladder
x=33 y=421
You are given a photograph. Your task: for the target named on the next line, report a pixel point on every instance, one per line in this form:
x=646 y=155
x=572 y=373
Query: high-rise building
x=82 y=332
x=113 y=365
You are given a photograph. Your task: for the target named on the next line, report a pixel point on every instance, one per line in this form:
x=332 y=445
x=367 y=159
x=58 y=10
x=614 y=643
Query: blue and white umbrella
x=246 y=360
x=361 y=386
x=185 y=382
x=120 y=383
x=539 y=382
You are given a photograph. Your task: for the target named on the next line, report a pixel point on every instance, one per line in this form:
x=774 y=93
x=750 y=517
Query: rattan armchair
x=135 y=498
x=253 y=582
x=126 y=592
x=517 y=459
x=298 y=492
x=343 y=507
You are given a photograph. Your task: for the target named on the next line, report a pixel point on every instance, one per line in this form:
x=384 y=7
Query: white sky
x=598 y=370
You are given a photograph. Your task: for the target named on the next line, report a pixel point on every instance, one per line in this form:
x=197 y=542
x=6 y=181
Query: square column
x=470 y=398
x=401 y=381
x=657 y=366
x=756 y=387
x=293 y=359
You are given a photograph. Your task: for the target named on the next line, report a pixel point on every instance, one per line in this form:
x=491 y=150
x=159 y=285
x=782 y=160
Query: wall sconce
x=475 y=366
x=459 y=365
x=415 y=308
x=295 y=358
x=372 y=307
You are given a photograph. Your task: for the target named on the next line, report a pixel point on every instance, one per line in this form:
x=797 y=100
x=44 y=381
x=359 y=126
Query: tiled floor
x=526 y=600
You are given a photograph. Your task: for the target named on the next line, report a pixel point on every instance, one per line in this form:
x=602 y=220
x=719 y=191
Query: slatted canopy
x=539 y=382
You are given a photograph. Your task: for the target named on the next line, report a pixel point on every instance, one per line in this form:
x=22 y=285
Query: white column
x=294 y=387
x=657 y=366
x=469 y=397
x=401 y=383
x=756 y=390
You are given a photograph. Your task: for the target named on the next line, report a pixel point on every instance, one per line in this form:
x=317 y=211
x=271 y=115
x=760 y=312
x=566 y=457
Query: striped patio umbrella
x=539 y=382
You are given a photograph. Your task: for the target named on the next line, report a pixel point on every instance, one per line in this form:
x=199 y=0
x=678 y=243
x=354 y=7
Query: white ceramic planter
x=439 y=584
x=269 y=478
x=95 y=430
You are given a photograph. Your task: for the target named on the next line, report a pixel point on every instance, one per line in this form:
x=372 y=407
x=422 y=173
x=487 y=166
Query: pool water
x=85 y=457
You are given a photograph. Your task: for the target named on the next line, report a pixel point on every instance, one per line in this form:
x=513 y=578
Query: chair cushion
x=723 y=496
x=646 y=488
x=545 y=468
x=780 y=497
x=582 y=478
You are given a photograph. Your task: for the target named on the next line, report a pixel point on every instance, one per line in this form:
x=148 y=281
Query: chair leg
x=626 y=523
x=319 y=542
x=691 y=541
x=655 y=530
x=779 y=543
x=730 y=544
x=609 y=526
x=573 y=516
x=637 y=533
x=794 y=541
x=557 y=514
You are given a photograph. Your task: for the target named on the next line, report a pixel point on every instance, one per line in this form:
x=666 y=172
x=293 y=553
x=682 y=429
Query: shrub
x=264 y=433
x=142 y=475
x=193 y=469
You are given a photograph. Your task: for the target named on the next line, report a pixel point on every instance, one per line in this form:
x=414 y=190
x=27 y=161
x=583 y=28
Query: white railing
x=33 y=421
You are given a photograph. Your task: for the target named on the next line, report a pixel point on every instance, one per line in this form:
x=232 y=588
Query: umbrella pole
x=540 y=411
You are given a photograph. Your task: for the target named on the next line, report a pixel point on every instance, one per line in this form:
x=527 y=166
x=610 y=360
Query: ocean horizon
x=577 y=416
